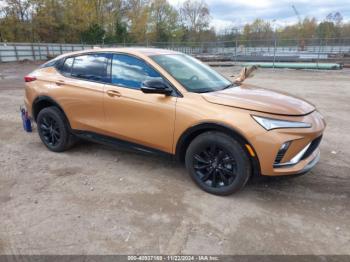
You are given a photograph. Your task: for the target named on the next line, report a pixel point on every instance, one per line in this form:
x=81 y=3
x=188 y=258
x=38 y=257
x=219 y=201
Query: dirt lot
x=97 y=200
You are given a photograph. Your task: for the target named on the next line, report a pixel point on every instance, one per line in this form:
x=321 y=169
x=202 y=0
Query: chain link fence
x=270 y=50
x=266 y=50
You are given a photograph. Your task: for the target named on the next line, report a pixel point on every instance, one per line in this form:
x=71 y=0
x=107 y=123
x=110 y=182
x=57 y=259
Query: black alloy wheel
x=218 y=163
x=215 y=166
x=53 y=129
x=50 y=130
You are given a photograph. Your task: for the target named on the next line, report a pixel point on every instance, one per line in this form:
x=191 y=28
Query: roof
x=132 y=50
x=147 y=51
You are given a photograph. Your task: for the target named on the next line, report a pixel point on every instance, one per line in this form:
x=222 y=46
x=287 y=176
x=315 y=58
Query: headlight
x=270 y=123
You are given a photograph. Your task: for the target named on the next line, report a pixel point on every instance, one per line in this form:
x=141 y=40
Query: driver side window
x=128 y=71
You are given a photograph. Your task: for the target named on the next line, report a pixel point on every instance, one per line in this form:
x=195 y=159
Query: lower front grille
x=303 y=154
x=279 y=157
x=281 y=152
x=313 y=146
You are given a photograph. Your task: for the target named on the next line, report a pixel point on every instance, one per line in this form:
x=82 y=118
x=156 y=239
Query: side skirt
x=121 y=144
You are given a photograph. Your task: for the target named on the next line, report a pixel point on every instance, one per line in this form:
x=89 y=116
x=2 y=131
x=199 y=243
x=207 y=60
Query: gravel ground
x=97 y=200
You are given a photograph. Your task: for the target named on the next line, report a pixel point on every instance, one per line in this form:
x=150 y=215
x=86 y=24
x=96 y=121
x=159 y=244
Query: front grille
x=279 y=156
x=313 y=146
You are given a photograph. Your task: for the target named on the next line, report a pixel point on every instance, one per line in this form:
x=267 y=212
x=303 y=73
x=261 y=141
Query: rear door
x=132 y=115
x=81 y=88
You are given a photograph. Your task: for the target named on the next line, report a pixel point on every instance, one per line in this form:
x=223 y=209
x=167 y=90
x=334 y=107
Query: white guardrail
x=11 y=52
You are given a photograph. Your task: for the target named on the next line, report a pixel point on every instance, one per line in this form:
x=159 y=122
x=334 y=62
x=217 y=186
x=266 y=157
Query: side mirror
x=156 y=86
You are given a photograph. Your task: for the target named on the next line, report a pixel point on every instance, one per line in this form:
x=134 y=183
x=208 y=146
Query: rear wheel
x=53 y=129
x=218 y=163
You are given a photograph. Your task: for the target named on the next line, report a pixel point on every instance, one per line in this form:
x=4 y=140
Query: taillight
x=29 y=78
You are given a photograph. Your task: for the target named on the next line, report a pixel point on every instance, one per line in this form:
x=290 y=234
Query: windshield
x=192 y=74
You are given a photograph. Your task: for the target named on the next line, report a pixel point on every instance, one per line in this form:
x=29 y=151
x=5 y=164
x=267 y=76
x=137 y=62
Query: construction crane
x=301 y=40
x=297 y=13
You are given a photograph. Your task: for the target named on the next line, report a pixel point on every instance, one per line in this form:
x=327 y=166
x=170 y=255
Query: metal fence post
x=319 y=52
x=16 y=52
x=236 y=51
x=33 y=52
x=47 y=51
x=39 y=51
x=274 y=52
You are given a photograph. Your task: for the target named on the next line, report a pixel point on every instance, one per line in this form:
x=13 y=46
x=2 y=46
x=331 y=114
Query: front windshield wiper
x=204 y=91
x=208 y=90
x=228 y=86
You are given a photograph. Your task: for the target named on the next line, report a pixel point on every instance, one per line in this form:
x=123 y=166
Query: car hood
x=259 y=99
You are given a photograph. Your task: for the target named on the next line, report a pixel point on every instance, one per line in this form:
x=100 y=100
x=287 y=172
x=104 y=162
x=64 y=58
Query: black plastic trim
x=49 y=100
x=120 y=143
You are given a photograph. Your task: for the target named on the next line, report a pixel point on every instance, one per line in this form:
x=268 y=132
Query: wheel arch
x=187 y=137
x=42 y=102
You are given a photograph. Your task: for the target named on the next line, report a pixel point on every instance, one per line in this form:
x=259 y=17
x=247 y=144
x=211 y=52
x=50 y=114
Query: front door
x=132 y=115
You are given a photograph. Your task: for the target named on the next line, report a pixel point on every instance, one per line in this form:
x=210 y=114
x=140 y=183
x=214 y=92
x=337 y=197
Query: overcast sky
x=238 y=12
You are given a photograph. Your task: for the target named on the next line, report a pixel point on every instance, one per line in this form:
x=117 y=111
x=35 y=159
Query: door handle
x=113 y=93
x=60 y=82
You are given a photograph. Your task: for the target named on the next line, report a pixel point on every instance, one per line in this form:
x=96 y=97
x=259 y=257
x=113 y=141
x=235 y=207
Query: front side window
x=91 y=67
x=129 y=71
x=191 y=73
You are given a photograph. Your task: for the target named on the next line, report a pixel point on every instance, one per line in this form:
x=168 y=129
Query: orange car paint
x=158 y=121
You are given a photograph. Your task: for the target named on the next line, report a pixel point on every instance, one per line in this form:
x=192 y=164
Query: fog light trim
x=295 y=159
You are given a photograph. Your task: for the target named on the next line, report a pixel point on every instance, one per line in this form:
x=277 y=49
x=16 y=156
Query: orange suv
x=168 y=103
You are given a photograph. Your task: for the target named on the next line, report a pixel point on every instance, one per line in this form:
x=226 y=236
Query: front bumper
x=310 y=165
x=268 y=143
x=301 y=167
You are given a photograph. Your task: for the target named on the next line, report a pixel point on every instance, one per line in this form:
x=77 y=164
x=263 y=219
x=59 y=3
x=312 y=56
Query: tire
x=53 y=129
x=217 y=163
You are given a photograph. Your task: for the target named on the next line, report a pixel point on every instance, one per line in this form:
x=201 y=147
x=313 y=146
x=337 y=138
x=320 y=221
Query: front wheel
x=217 y=163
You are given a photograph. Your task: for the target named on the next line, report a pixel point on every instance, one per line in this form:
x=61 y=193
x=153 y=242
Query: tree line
x=141 y=21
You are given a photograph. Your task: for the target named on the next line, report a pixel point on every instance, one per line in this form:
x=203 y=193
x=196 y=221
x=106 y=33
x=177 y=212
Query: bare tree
x=195 y=16
x=335 y=17
x=18 y=8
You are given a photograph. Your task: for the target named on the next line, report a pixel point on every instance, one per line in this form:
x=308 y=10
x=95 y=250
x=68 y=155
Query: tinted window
x=91 y=67
x=67 y=65
x=129 y=71
x=50 y=63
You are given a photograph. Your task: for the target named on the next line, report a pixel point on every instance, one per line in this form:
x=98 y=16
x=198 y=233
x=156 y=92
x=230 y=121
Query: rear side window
x=67 y=65
x=50 y=63
x=129 y=71
x=91 y=67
